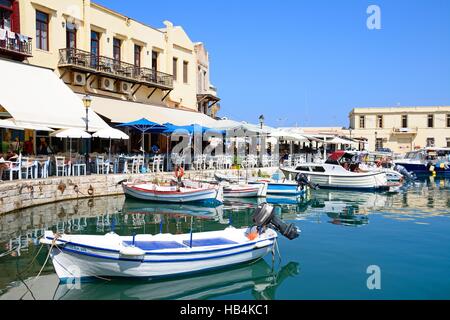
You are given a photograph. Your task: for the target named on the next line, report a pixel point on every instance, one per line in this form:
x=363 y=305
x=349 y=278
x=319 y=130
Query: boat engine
x=302 y=181
x=402 y=170
x=264 y=216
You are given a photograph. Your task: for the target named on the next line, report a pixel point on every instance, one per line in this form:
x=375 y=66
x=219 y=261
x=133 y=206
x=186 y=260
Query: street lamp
x=87 y=100
x=261 y=121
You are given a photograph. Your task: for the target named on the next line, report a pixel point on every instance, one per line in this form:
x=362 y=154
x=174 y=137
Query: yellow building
x=402 y=129
x=101 y=52
x=130 y=69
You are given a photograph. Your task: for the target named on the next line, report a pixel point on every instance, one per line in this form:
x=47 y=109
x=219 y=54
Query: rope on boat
x=4 y=254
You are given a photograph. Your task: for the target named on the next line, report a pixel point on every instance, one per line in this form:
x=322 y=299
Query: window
x=379 y=144
x=117 y=45
x=380 y=121
x=71 y=36
x=362 y=122
x=185 y=71
x=95 y=48
x=404 y=121
x=6 y=14
x=448 y=121
x=430 y=121
x=448 y=142
x=175 y=68
x=137 y=55
x=155 y=60
x=42 y=30
x=430 y=143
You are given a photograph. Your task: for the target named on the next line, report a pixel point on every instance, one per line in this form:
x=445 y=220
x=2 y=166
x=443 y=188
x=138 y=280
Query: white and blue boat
x=164 y=255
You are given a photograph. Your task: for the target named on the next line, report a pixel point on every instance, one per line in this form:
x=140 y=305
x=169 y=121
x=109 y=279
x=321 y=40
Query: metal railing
x=114 y=68
x=17 y=46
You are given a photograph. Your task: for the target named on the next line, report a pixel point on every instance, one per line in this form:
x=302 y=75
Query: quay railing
x=87 y=61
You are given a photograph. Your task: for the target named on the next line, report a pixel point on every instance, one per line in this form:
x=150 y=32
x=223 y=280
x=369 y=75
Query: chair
x=101 y=165
x=28 y=165
x=61 y=166
x=45 y=168
x=15 y=167
x=77 y=166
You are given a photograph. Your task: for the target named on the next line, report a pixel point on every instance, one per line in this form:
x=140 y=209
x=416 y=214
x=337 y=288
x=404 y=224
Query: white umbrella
x=71 y=133
x=111 y=134
x=288 y=136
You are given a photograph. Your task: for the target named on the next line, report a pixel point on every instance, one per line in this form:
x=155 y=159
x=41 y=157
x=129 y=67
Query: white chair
x=27 y=168
x=45 y=168
x=15 y=167
x=101 y=165
x=61 y=166
x=78 y=166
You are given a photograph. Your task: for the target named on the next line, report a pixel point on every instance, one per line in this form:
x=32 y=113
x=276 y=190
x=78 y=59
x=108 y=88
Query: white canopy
x=37 y=96
x=338 y=140
x=119 y=111
x=289 y=136
x=240 y=126
x=111 y=133
x=72 y=133
x=9 y=124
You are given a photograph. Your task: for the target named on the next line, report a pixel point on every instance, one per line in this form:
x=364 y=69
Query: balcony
x=404 y=131
x=18 y=48
x=84 y=61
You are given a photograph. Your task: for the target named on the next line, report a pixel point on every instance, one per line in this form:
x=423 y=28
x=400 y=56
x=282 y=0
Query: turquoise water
x=406 y=235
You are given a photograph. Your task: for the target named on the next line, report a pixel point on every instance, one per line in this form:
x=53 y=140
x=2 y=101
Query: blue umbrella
x=144 y=126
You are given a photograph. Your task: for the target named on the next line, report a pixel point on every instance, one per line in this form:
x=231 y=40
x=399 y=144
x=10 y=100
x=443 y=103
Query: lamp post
x=261 y=123
x=87 y=100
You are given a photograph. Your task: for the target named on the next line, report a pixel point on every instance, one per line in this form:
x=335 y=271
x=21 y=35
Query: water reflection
x=20 y=231
x=258 y=279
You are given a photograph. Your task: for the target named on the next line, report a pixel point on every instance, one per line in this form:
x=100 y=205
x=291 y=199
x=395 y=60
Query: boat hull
x=423 y=170
x=104 y=257
x=363 y=181
x=248 y=191
x=205 y=196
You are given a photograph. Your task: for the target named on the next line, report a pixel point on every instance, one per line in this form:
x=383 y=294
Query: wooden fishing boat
x=164 y=255
x=173 y=194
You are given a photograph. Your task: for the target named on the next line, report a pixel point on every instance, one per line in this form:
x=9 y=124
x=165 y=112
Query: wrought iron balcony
x=18 y=48
x=404 y=131
x=85 y=61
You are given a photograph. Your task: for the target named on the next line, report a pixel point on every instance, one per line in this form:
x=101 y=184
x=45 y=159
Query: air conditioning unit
x=106 y=84
x=79 y=79
x=124 y=87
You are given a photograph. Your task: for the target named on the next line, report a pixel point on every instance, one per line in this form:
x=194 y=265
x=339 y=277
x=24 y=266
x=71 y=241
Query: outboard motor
x=402 y=170
x=302 y=181
x=264 y=216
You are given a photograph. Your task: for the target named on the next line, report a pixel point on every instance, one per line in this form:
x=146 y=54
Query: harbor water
x=353 y=245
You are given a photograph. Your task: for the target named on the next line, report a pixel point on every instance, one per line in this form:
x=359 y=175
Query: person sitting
x=28 y=147
x=11 y=156
x=155 y=149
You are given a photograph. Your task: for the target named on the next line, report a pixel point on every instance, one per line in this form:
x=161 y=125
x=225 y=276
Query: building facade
x=402 y=129
x=97 y=51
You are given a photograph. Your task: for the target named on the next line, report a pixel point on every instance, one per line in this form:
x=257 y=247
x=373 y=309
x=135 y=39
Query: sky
x=310 y=62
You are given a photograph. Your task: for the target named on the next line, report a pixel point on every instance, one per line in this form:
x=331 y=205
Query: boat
x=233 y=189
x=428 y=161
x=340 y=171
x=148 y=191
x=165 y=255
x=245 y=190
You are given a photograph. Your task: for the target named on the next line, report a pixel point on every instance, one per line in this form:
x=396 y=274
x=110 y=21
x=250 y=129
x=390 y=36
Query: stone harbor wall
x=21 y=194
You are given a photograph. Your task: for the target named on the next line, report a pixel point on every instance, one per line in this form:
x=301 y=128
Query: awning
x=36 y=96
x=119 y=111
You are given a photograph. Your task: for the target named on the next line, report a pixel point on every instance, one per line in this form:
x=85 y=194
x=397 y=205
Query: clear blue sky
x=308 y=63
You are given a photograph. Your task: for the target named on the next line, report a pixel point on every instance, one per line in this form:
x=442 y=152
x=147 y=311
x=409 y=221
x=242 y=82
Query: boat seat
x=155 y=245
x=209 y=242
